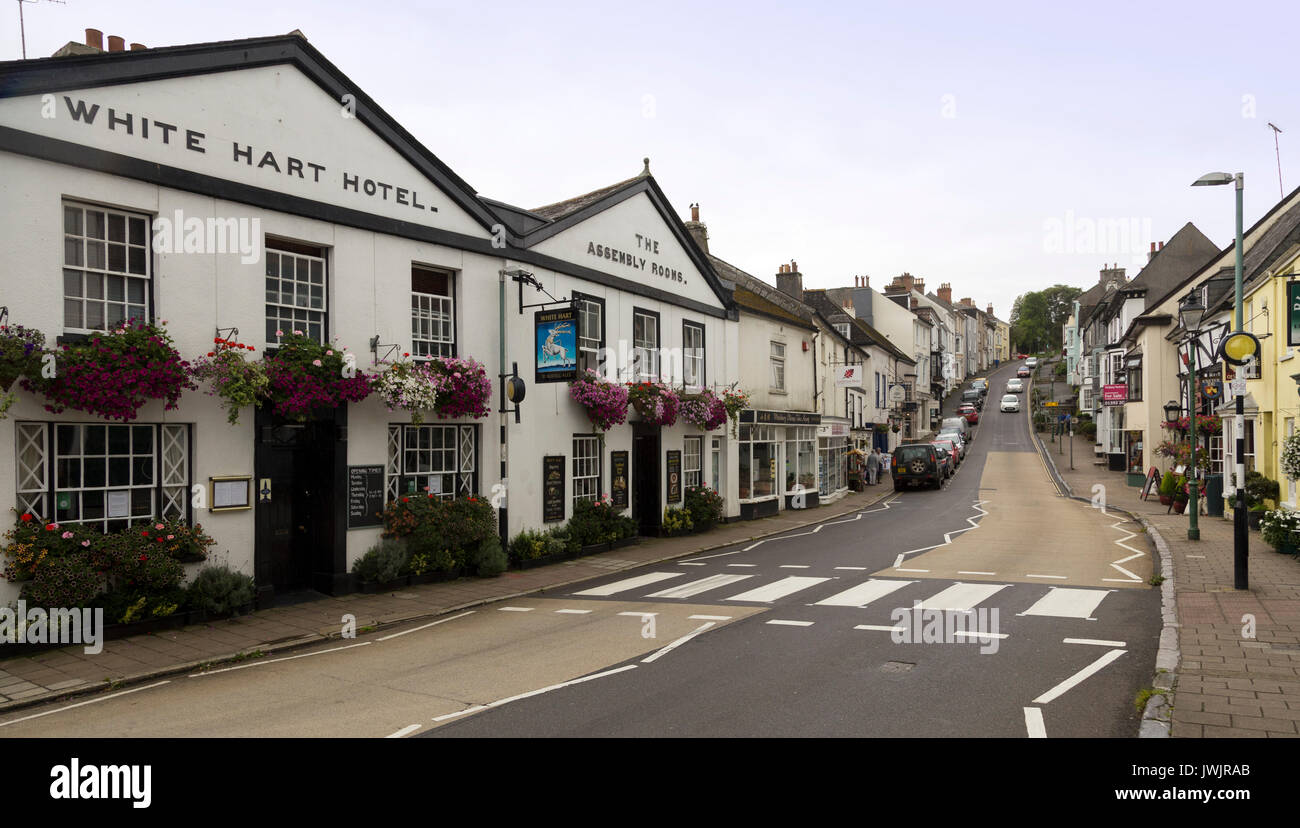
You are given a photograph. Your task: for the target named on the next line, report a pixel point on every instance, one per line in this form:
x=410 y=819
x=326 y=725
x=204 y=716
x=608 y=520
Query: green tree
x=1036 y=318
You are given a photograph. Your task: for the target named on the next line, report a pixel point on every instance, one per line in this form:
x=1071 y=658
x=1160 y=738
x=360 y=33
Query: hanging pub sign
x=618 y=473
x=552 y=488
x=1293 y=313
x=674 y=477
x=557 y=345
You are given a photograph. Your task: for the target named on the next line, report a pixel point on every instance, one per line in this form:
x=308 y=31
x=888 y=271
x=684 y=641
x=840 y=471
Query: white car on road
x=1015 y=386
x=1010 y=402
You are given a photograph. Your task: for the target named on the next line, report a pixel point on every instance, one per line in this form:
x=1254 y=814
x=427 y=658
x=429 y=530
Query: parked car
x=1032 y=362
x=1015 y=386
x=1023 y=372
x=1010 y=403
x=974 y=398
x=971 y=414
x=981 y=385
x=950 y=446
x=947 y=462
x=916 y=464
x=956 y=439
x=959 y=425
x=1022 y=356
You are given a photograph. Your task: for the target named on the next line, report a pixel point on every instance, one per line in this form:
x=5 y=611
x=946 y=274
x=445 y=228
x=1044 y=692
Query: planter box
x=1165 y=500
x=1179 y=506
x=374 y=587
x=594 y=549
x=619 y=544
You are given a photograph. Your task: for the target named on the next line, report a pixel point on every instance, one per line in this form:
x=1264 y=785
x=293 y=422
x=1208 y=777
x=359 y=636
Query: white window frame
x=692 y=355
x=303 y=311
x=87 y=261
x=433 y=318
x=586 y=467
x=776 y=359
x=453 y=461
x=692 y=462
x=591 y=331
x=645 y=345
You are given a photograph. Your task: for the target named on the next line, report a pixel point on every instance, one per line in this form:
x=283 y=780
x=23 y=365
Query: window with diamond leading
x=441 y=460
x=106 y=267
x=295 y=290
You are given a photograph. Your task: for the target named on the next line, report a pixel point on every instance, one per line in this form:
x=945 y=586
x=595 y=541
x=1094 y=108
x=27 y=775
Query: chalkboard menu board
x=674 y=477
x=618 y=471
x=552 y=488
x=365 y=496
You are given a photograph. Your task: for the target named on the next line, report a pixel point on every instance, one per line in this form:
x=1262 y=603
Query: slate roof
x=560 y=209
x=860 y=332
x=755 y=294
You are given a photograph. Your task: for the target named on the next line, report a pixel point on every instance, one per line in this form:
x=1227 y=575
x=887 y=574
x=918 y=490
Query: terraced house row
x=239 y=199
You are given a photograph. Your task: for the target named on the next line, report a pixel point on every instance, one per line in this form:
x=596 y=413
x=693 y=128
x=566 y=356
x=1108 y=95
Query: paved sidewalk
x=1224 y=683
x=28 y=680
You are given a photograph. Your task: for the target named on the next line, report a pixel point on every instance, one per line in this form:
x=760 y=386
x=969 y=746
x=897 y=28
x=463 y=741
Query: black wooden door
x=645 y=482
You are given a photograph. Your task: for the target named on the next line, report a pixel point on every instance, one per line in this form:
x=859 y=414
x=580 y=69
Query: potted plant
x=305 y=376
x=461 y=386
x=1258 y=490
x=1281 y=529
x=654 y=402
x=115 y=373
x=1180 y=495
x=409 y=387
x=605 y=402
x=20 y=355
x=237 y=381
x=1167 y=489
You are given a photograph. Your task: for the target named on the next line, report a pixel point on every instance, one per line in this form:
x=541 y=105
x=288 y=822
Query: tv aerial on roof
x=22 y=25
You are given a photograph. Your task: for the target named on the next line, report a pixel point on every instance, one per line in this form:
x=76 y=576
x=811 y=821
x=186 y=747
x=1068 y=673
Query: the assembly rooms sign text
x=636 y=259
x=152 y=129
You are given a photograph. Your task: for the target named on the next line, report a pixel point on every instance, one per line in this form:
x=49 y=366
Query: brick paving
x=1225 y=684
x=40 y=677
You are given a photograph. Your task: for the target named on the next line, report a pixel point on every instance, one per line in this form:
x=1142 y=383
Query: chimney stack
x=138 y=47
x=116 y=44
x=95 y=39
x=698 y=230
x=990 y=310
x=790 y=281
x=913 y=303
x=966 y=302
x=945 y=292
x=1162 y=247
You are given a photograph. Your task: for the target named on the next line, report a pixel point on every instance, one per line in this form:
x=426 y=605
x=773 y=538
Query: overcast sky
x=981 y=144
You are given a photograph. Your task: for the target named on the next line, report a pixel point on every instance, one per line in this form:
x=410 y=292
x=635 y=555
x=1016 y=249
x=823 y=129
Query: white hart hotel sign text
x=152 y=129
x=634 y=259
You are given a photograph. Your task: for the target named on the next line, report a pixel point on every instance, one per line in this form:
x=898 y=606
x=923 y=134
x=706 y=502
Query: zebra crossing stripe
x=961 y=597
x=863 y=594
x=702 y=585
x=630 y=583
x=1068 y=602
x=778 y=589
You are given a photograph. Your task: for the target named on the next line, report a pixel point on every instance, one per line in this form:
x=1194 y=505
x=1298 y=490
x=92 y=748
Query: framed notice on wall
x=674 y=477
x=230 y=493
x=618 y=478
x=552 y=488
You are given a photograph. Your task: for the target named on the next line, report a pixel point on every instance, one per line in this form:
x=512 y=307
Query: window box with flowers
x=461 y=385
x=305 y=377
x=655 y=403
x=20 y=355
x=115 y=373
x=605 y=402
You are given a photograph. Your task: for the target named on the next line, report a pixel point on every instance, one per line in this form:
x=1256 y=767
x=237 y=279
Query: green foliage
x=488 y=558
x=1036 y=318
x=677 y=522
x=439 y=534
x=530 y=545
x=1167 y=485
x=596 y=521
x=385 y=561
x=1260 y=488
x=1180 y=488
x=705 y=507
x=66 y=581
x=220 y=590
x=1088 y=430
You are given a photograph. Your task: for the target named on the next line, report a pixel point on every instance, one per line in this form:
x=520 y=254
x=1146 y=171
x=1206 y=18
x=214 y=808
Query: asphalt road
x=991 y=607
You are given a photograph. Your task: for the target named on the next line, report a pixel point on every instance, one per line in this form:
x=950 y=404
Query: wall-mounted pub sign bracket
x=4 y=314
x=388 y=350
x=523 y=277
x=230 y=335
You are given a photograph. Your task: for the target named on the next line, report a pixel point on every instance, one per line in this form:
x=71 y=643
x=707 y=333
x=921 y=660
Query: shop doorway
x=646 y=508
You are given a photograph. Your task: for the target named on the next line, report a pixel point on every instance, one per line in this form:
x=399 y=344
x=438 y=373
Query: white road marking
x=679 y=642
x=884 y=506
x=630 y=583
x=572 y=612
x=1126 y=572
x=1097 y=641
x=947 y=538
x=426 y=626
x=792 y=623
x=276 y=660
x=708 y=617
x=1034 y=723
x=965 y=634
x=853 y=568
x=1069 y=602
x=691 y=563
x=961 y=597
x=748 y=566
x=863 y=594
x=901 y=569
x=1061 y=577
x=778 y=589
x=404 y=731
x=1136 y=553
x=532 y=693
x=84 y=703
x=639 y=614
x=1195 y=556
x=1065 y=686
x=968 y=572
x=702 y=585
x=514 y=609
x=878 y=628
x=899 y=560
x=795 y=566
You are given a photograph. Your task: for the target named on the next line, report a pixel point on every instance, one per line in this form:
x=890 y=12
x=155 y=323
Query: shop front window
x=800 y=457
x=757 y=466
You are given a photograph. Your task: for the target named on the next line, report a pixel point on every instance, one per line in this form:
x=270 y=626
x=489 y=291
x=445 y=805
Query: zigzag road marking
x=885 y=505
x=947 y=537
x=1137 y=553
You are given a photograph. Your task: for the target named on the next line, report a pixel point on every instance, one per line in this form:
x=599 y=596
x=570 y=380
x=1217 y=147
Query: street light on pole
x=1191 y=310
x=1240 y=349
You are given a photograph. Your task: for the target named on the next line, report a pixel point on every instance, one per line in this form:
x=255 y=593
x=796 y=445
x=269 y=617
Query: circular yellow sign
x=1238 y=347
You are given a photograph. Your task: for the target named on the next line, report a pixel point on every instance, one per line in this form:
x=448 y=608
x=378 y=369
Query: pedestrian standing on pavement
x=873 y=466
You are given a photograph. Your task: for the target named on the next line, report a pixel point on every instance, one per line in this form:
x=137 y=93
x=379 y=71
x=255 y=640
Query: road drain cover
x=896 y=667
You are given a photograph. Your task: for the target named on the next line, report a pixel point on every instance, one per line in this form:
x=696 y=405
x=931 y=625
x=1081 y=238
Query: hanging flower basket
x=305 y=376
x=20 y=353
x=605 y=402
x=1205 y=424
x=734 y=401
x=462 y=387
x=1291 y=456
x=656 y=403
x=705 y=410
x=238 y=381
x=408 y=386
x=115 y=373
